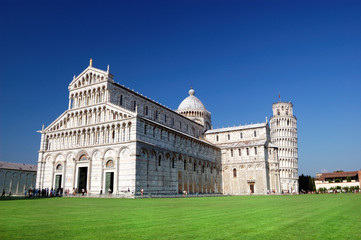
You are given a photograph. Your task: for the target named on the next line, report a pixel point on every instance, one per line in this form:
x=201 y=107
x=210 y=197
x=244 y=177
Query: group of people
x=45 y=192
x=75 y=191
x=37 y=192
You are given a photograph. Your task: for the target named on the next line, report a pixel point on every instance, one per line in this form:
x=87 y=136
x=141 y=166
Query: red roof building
x=342 y=179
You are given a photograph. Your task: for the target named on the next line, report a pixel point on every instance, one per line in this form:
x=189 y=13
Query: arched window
x=83 y=158
x=203 y=168
x=134 y=105
x=109 y=164
x=173 y=163
x=120 y=100
x=255 y=133
x=255 y=150
x=288 y=122
x=145 y=129
x=59 y=167
x=278 y=112
x=229 y=137
x=234 y=172
x=185 y=165
x=231 y=152
x=247 y=150
x=159 y=160
x=146 y=110
x=239 y=152
x=217 y=138
x=241 y=135
x=47 y=145
x=286 y=112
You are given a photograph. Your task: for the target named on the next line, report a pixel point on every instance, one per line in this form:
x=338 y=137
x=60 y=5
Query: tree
x=306 y=183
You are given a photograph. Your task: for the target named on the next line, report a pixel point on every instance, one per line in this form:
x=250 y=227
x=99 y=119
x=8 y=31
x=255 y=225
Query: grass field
x=246 y=217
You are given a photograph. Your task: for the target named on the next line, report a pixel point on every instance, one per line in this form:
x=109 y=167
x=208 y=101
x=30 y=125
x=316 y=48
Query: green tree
x=306 y=183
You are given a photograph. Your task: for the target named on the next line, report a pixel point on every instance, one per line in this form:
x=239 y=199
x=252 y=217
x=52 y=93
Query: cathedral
x=114 y=140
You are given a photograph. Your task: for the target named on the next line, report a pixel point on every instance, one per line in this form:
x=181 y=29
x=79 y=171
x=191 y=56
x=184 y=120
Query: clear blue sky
x=238 y=55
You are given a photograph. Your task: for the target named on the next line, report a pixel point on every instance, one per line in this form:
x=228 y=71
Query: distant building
x=342 y=179
x=16 y=177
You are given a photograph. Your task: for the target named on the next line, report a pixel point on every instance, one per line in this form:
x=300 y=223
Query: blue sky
x=238 y=55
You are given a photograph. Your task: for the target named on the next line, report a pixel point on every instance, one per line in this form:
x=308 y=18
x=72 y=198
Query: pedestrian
x=101 y=191
x=82 y=191
x=3 y=194
x=141 y=191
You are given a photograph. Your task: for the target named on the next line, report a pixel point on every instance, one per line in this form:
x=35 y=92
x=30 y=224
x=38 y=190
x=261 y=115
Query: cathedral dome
x=191 y=103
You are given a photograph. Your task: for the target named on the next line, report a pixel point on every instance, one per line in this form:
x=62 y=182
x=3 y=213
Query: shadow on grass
x=24 y=198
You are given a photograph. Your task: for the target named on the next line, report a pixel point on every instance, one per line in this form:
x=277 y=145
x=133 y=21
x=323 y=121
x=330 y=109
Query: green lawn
x=246 y=217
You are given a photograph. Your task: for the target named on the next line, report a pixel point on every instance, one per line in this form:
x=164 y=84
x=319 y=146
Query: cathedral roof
x=229 y=129
x=244 y=144
x=191 y=103
x=18 y=166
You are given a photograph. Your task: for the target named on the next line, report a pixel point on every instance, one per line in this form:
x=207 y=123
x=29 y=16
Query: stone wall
x=16 y=181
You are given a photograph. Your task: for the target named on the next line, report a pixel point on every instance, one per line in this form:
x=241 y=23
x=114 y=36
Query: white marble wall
x=246 y=159
x=284 y=134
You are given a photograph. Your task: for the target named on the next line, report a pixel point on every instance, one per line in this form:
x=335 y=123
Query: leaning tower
x=284 y=135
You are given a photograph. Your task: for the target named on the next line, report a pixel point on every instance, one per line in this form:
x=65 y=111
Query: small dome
x=191 y=103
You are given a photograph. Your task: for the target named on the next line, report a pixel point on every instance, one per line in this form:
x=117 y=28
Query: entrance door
x=109 y=181
x=251 y=188
x=57 y=182
x=82 y=178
